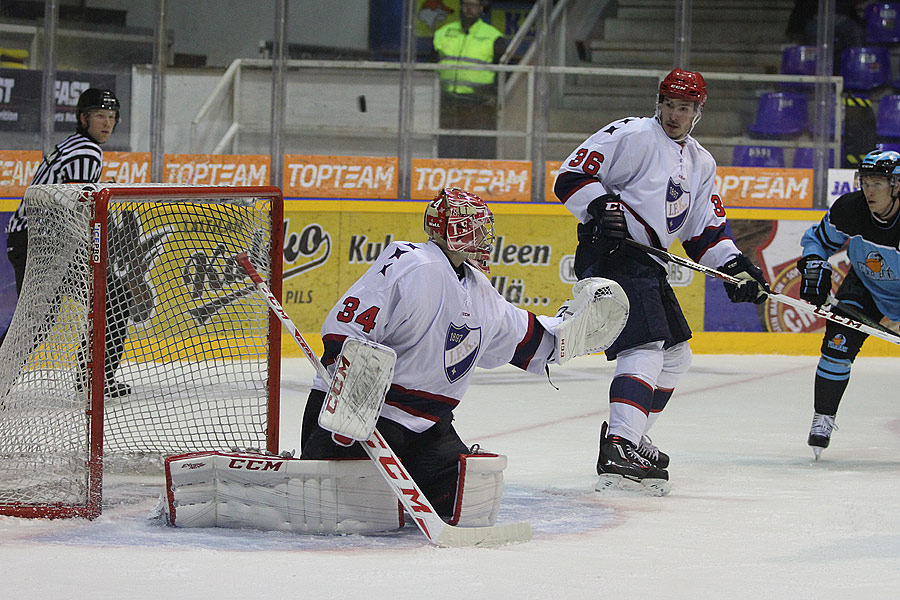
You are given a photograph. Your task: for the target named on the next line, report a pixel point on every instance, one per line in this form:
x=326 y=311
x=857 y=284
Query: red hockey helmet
x=684 y=85
x=462 y=222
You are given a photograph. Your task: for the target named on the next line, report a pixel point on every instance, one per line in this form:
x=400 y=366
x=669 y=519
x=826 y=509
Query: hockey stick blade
x=388 y=464
x=794 y=302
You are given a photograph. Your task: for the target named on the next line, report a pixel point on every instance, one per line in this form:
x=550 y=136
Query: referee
x=79 y=159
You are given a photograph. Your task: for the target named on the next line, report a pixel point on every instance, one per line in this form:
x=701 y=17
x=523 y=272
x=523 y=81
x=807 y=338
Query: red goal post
x=136 y=336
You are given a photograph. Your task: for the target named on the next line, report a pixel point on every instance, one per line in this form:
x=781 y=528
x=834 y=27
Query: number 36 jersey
x=440 y=325
x=667 y=188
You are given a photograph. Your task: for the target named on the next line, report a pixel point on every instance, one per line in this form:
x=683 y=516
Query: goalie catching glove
x=753 y=288
x=592 y=320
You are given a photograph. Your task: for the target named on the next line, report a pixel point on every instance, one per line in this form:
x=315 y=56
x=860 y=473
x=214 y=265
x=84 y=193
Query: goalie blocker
x=277 y=493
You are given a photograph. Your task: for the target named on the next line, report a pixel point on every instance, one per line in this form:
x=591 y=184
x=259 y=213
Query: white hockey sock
x=627 y=421
x=651 y=419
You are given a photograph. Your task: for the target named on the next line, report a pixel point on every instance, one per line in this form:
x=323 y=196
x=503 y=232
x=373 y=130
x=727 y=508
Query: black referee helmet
x=93 y=99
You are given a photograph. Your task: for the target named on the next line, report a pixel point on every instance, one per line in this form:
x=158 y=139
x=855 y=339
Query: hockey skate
x=654 y=455
x=621 y=467
x=820 y=432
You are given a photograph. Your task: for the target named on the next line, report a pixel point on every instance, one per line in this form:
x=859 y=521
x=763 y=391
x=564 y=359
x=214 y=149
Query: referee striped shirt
x=76 y=159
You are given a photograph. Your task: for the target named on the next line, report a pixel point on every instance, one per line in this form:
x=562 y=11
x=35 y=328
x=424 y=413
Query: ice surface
x=750 y=515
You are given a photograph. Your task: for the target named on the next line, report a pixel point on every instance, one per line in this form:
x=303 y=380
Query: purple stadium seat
x=888 y=119
x=865 y=67
x=798 y=60
x=804 y=157
x=883 y=23
x=781 y=113
x=758 y=156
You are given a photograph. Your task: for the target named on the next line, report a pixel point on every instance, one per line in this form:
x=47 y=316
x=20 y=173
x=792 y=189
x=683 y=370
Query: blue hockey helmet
x=880 y=163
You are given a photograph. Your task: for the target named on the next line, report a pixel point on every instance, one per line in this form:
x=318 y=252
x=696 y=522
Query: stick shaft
x=798 y=304
x=244 y=261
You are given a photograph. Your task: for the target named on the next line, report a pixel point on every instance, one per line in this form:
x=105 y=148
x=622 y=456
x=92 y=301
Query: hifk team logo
x=677 y=202
x=874 y=267
x=460 y=350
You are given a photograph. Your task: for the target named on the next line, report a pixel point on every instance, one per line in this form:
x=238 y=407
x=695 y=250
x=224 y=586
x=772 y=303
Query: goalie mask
x=462 y=222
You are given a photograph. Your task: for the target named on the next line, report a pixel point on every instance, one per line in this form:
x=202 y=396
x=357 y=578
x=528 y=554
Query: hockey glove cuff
x=815 y=282
x=608 y=220
x=753 y=288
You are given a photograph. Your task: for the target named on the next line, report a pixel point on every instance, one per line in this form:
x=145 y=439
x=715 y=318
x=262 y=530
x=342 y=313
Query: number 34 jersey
x=667 y=188
x=440 y=325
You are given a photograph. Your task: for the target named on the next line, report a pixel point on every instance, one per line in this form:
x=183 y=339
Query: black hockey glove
x=609 y=223
x=754 y=287
x=816 y=279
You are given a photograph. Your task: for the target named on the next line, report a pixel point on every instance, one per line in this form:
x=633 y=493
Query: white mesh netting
x=187 y=344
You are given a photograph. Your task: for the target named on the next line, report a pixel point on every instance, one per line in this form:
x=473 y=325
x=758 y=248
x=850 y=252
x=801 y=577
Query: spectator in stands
x=468 y=97
x=849 y=28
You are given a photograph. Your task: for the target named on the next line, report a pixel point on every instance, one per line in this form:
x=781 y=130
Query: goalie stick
x=801 y=305
x=388 y=464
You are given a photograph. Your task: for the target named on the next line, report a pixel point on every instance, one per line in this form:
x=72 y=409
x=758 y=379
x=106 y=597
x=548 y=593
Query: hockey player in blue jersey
x=867 y=222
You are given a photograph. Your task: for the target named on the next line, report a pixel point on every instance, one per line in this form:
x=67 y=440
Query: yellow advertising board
x=328 y=245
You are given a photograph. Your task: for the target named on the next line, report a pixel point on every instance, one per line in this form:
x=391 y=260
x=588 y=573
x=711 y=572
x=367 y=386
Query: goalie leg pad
x=479 y=489
x=271 y=493
x=592 y=320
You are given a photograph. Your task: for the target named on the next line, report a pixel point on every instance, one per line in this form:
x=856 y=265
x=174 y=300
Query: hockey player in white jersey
x=647 y=179
x=433 y=305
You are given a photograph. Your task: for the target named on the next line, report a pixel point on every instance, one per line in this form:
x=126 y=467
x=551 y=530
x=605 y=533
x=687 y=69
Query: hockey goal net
x=135 y=336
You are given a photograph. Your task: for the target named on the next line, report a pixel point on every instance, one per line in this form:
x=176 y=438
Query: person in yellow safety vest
x=467 y=95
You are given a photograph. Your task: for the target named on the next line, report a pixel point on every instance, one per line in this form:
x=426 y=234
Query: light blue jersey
x=873 y=248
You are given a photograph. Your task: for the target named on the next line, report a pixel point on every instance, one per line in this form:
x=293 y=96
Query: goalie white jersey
x=668 y=188
x=440 y=326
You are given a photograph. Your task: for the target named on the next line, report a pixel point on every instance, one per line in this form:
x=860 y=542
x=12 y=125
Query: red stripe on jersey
x=529 y=344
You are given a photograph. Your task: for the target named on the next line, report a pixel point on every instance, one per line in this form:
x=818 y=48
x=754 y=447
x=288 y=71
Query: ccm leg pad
x=273 y=493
